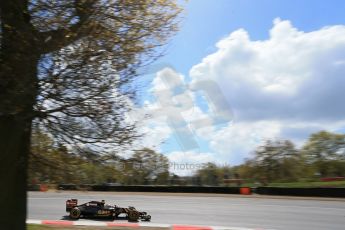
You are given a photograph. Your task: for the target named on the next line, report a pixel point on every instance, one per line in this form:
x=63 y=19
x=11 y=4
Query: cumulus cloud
x=287 y=86
x=187 y=162
x=292 y=74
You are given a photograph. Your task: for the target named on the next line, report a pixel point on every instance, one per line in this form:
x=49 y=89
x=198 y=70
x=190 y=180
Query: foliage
x=211 y=174
x=279 y=161
x=84 y=79
x=276 y=163
x=325 y=153
x=66 y=66
x=146 y=166
x=52 y=163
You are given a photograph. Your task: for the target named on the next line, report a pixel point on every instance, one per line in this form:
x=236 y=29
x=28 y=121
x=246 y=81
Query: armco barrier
x=311 y=192
x=67 y=187
x=33 y=187
x=182 y=189
x=37 y=187
x=43 y=187
x=245 y=191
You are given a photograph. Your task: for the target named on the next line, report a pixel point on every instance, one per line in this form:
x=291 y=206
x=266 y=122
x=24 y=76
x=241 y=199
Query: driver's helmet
x=103 y=202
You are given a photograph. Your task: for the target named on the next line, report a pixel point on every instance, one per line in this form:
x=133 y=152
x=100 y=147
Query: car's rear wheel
x=114 y=216
x=133 y=215
x=75 y=213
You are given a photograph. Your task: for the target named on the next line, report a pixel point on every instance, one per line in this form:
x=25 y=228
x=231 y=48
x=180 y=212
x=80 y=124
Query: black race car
x=101 y=209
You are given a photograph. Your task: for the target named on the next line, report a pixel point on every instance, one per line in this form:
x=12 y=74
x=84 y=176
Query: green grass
x=310 y=184
x=302 y=184
x=52 y=227
x=40 y=227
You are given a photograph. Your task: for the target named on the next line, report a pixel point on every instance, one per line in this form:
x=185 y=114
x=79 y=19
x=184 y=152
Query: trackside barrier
x=311 y=192
x=177 y=189
x=245 y=191
x=38 y=187
x=43 y=187
x=33 y=187
x=281 y=191
x=68 y=187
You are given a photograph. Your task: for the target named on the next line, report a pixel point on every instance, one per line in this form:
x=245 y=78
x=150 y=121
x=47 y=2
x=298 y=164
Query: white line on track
x=141 y=224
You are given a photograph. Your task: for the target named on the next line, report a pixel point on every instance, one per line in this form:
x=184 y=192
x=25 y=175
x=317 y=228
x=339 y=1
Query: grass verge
x=316 y=184
x=303 y=184
x=55 y=227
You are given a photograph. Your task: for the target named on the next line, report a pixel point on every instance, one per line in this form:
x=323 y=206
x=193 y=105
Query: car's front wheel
x=75 y=213
x=147 y=218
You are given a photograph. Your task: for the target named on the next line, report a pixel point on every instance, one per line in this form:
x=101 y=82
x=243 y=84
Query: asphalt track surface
x=206 y=209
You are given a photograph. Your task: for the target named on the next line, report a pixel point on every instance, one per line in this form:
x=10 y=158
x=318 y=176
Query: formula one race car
x=100 y=209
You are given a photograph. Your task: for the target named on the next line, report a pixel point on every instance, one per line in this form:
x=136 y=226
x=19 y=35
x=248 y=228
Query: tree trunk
x=18 y=91
x=15 y=135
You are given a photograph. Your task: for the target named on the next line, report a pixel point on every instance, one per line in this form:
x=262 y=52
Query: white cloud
x=187 y=162
x=287 y=86
x=292 y=74
x=234 y=142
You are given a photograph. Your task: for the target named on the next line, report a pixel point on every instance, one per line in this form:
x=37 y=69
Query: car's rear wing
x=71 y=204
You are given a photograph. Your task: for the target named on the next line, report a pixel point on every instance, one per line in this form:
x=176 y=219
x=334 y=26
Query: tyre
x=133 y=216
x=75 y=213
x=147 y=218
x=114 y=216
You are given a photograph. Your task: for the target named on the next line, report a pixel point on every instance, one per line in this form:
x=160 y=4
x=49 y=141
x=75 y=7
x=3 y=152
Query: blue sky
x=206 y=22
x=279 y=65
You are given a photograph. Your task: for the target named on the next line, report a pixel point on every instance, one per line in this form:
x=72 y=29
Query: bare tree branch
x=56 y=39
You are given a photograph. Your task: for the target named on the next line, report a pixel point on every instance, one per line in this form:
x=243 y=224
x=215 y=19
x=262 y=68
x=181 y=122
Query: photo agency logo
x=176 y=166
x=175 y=96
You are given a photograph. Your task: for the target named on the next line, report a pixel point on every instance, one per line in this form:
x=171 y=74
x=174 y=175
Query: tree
x=48 y=161
x=147 y=165
x=51 y=162
x=247 y=169
x=66 y=65
x=209 y=174
x=276 y=160
x=325 y=153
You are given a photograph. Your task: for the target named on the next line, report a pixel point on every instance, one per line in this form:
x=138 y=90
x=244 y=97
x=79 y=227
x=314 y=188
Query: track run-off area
x=233 y=211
